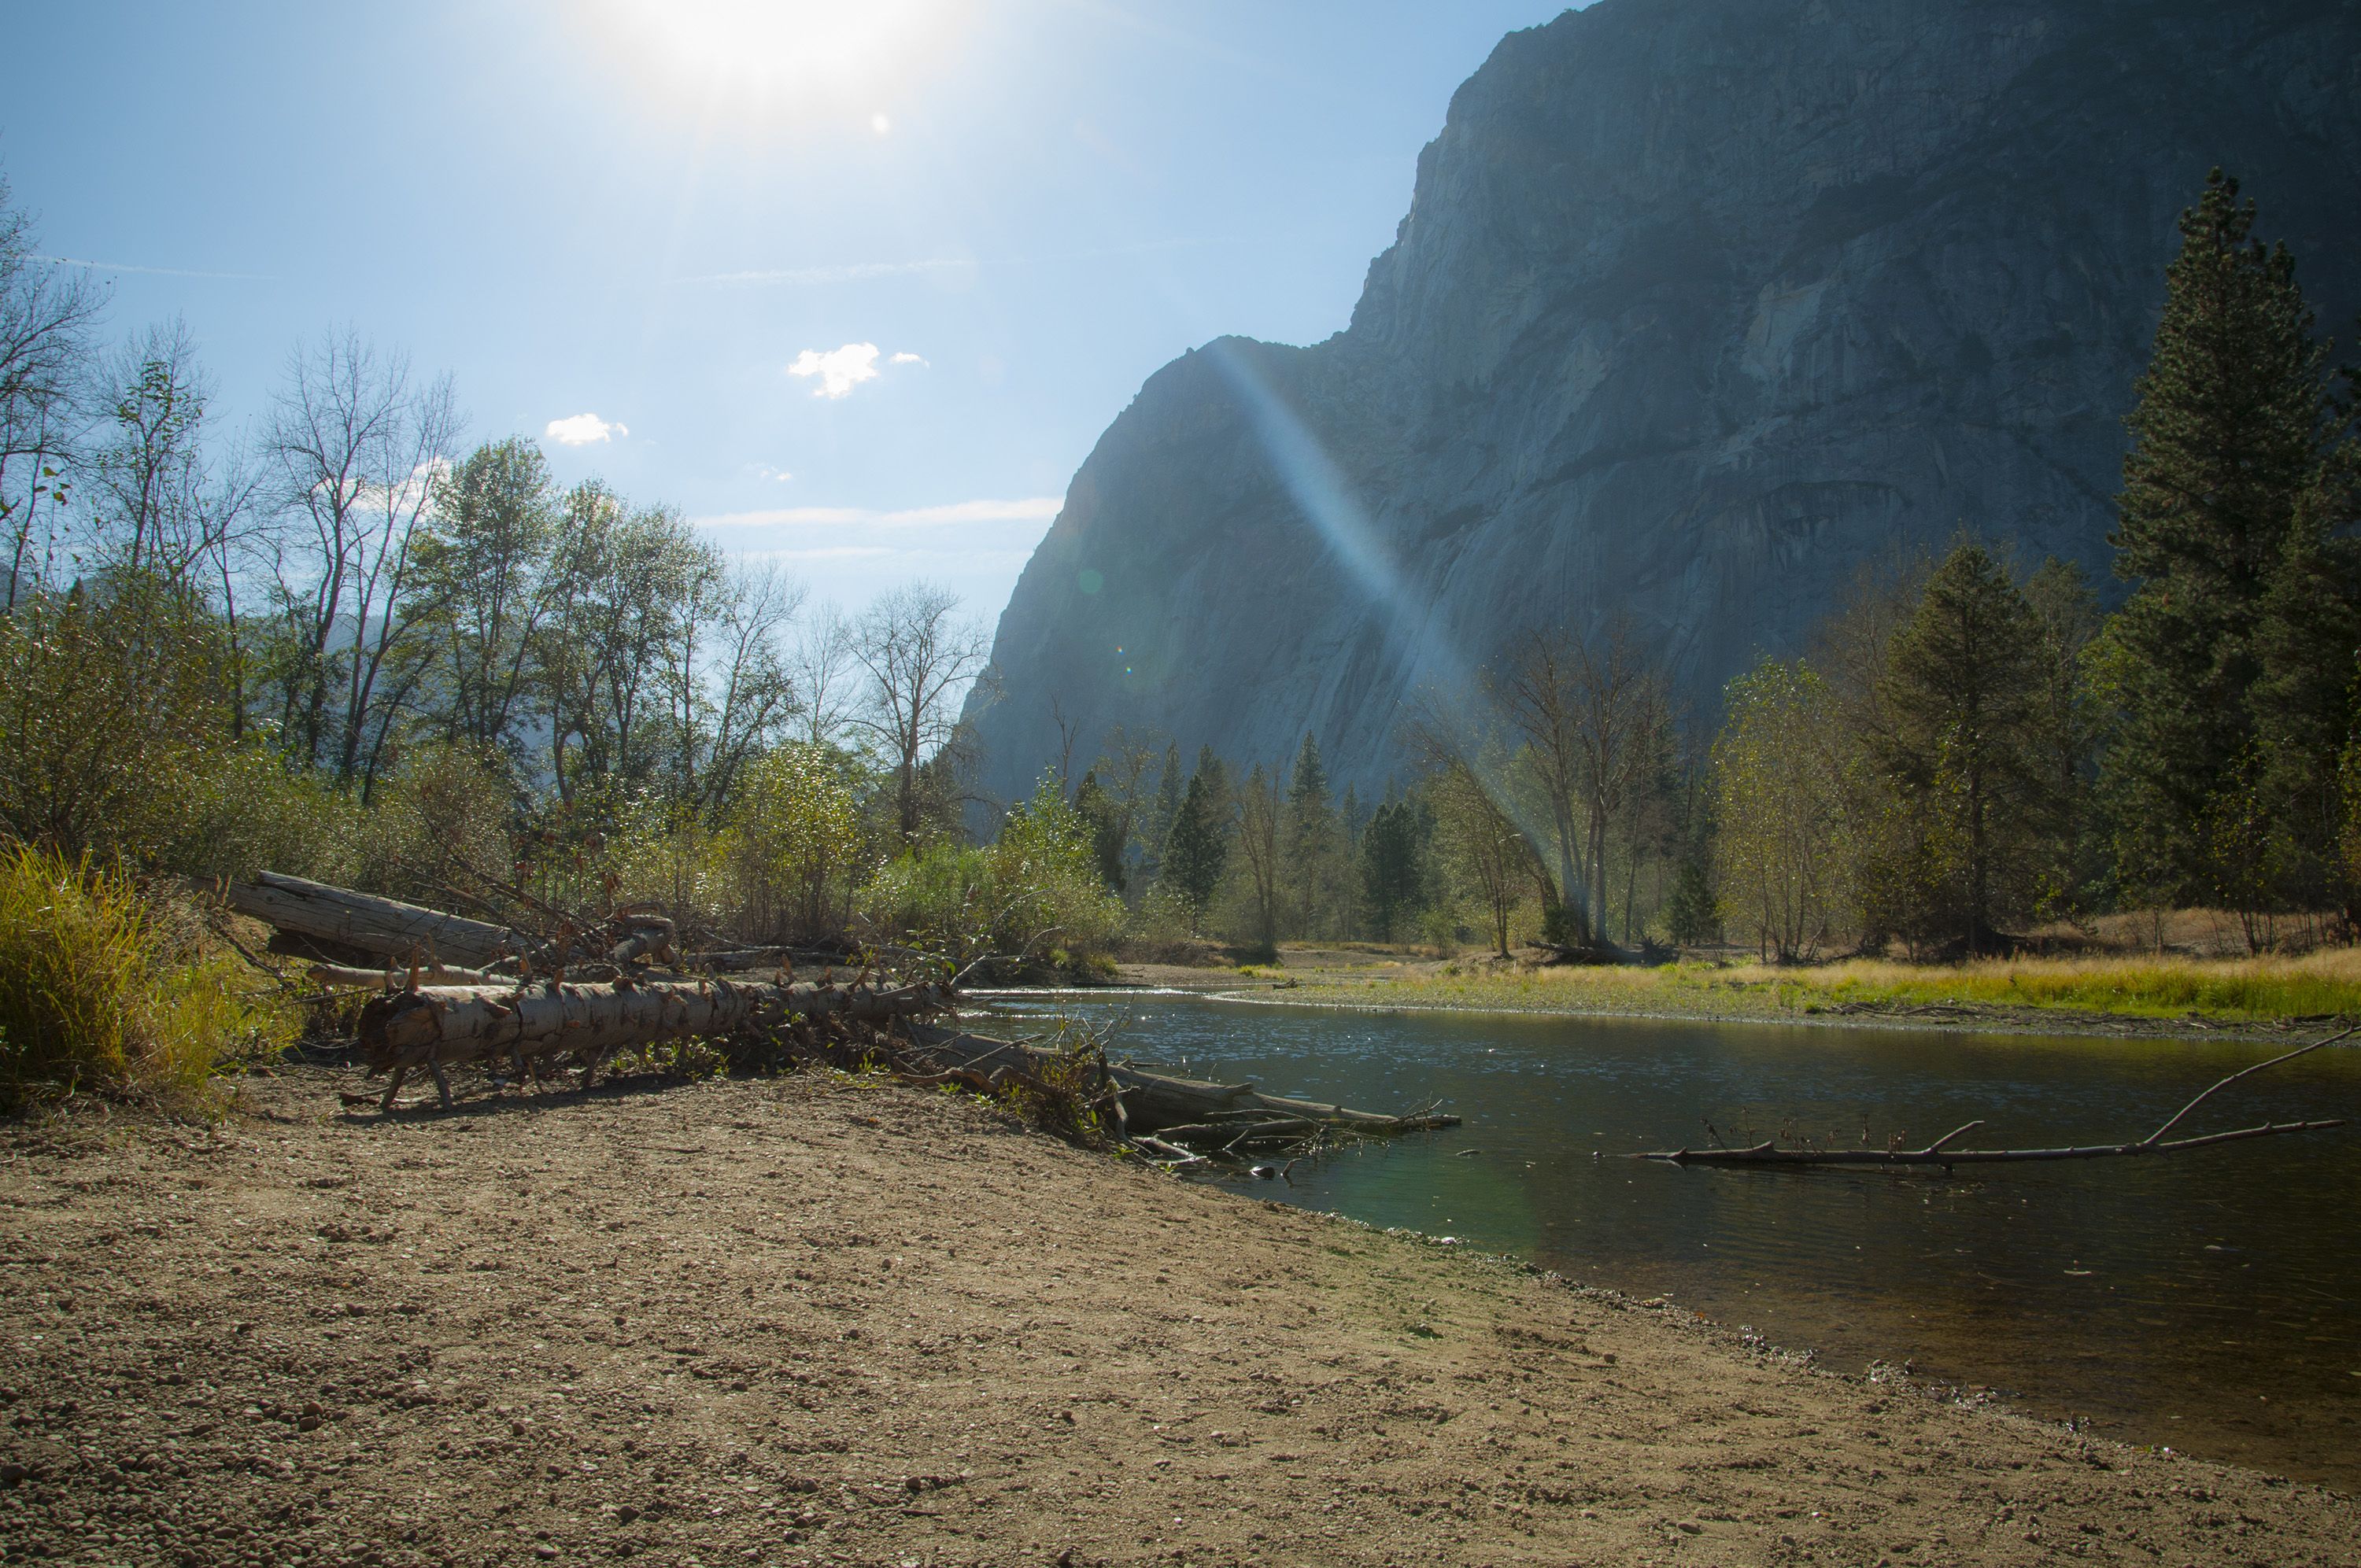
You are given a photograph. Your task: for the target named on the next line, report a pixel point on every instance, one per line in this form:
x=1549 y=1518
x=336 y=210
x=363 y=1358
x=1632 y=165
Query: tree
x=482 y=587
x=2069 y=725
x=1483 y=842
x=1965 y=685
x=1393 y=882
x=1199 y=847
x=47 y=314
x=2227 y=435
x=1261 y=842
x=1776 y=797
x=1109 y=830
x=357 y=448
x=2305 y=710
x=918 y=658
x=1309 y=837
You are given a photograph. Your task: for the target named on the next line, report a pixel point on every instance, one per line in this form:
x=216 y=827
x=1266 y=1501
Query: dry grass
x=96 y=996
x=2321 y=983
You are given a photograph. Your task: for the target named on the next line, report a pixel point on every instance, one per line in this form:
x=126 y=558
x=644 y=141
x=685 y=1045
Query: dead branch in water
x=1939 y=1153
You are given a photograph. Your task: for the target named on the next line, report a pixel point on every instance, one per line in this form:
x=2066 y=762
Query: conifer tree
x=1964 y=687
x=2225 y=436
x=1168 y=785
x=1392 y=878
x=1198 y=848
x=1310 y=837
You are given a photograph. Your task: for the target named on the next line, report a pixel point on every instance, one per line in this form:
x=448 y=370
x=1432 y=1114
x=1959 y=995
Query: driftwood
x=1173 y=1108
x=1940 y=1153
x=432 y=1027
x=383 y=926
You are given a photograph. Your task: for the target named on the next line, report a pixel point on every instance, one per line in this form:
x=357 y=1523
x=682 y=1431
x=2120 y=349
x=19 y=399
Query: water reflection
x=2211 y=1301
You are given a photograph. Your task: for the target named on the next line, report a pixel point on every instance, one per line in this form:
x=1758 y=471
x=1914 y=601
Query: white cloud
x=838 y=369
x=1030 y=508
x=764 y=471
x=582 y=430
x=907 y=359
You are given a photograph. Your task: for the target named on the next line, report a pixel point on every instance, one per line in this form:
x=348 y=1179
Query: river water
x=2209 y=1302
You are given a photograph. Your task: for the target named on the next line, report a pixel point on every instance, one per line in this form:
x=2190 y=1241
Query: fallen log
x=373 y=925
x=432 y=1027
x=1940 y=1153
x=1161 y=1103
x=395 y=976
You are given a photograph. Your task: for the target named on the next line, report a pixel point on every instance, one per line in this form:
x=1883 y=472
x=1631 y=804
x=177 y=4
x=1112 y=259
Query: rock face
x=1700 y=306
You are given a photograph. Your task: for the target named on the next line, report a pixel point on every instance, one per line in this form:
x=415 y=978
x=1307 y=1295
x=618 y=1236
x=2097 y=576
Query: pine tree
x=2226 y=435
x=1198 y=849
x=1392 y=878
x=1964 y=688
x=2305 y=709
x=1168 y=785
x=1311 y=835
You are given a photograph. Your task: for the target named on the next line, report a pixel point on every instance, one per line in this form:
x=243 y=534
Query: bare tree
x=47 y=314
x=1622 y=729
x=824 y=670
x=731 y=689
x=1535 y=687
x=358 y=449
x=918 y=658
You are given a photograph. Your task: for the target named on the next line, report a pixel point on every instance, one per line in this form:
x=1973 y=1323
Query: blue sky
x=663 y=236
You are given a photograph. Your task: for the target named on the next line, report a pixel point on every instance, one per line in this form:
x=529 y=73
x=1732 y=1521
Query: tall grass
x=2323 y=983
x=97 y=997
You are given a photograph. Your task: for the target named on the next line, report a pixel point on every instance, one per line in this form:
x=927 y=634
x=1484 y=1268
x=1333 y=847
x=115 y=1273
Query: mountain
x=1700 y=305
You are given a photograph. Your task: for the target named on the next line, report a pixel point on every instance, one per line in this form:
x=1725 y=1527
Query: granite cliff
x=1699 y=305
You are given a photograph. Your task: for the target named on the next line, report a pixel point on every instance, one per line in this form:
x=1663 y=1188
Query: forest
x=353 y=642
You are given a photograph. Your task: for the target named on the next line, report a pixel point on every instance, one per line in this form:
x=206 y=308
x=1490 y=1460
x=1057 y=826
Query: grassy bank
x=2253 y=991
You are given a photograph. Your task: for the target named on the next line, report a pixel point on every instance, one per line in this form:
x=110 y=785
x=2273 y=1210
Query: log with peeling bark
x=433 y=1027
x=1940 y=1152
x=1162 y=1103
x=386 y=927
x=393 y=976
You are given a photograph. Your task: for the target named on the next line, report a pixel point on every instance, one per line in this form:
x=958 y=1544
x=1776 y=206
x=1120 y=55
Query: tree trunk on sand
x=435 y=1026
x=386 y=927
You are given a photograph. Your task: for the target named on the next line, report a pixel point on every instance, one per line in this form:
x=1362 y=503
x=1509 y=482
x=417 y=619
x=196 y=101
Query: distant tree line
x=1968 y=750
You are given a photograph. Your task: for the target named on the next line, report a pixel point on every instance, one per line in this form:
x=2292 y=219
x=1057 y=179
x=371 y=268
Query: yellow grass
x=93 y=996
x=2321 y=983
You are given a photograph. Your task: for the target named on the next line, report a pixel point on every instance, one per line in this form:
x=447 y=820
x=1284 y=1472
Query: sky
x=855 y=285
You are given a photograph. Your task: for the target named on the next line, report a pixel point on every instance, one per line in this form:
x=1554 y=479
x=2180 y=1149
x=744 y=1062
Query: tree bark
x=386 y=927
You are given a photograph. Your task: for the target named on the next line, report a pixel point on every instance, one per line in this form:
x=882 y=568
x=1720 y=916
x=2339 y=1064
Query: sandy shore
x=806 y=1321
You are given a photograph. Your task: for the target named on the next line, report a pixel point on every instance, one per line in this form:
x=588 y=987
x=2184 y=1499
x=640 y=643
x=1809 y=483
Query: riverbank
x=806 y=1319
x=2179 y=998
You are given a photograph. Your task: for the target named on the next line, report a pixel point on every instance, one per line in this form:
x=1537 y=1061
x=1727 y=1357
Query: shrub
x=93 y=996
x=1038 y=880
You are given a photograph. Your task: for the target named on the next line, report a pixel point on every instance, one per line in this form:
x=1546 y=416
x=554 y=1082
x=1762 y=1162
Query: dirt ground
x=807 y=1320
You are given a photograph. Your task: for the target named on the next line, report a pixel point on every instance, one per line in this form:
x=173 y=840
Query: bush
x=1038 y=882
x=93 y=996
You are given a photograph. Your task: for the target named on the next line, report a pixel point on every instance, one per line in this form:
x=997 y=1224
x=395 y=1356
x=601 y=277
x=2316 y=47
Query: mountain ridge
x=1696 y=308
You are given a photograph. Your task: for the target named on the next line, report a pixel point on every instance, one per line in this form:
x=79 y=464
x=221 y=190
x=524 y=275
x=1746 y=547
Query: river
x=2209 y=1302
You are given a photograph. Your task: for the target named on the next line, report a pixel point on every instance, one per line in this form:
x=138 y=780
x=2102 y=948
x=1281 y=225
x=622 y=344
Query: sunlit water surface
x=2209 y=1302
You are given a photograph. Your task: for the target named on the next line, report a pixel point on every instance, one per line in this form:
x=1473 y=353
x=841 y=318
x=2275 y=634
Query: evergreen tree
x=2226 y=435
x=1168 y=785
x=2074 y=872
x=1964 y=688
x=1199 y=847
x=2303 y=704
x=1104 y=817
x=1310 y=838
x=1392 y=881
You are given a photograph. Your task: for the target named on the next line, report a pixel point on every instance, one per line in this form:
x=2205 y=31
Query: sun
x=843 y=57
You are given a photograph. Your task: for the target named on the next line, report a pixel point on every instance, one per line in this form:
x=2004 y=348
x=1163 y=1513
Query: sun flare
x=844 y=56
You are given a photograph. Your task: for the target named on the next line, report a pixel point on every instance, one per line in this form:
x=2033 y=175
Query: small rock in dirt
x=626 y=1514
x=13 y=1474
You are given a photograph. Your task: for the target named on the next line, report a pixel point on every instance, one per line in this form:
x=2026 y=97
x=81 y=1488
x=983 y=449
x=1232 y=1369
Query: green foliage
x=1199 y=846
x=798 y=842
x=1778 y=799
x=1036 y=882
x=1392 y=876
x=2227 y=436
x=96 y=997
x=1691 y=916
x=110 y=705
x=1964 y=688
